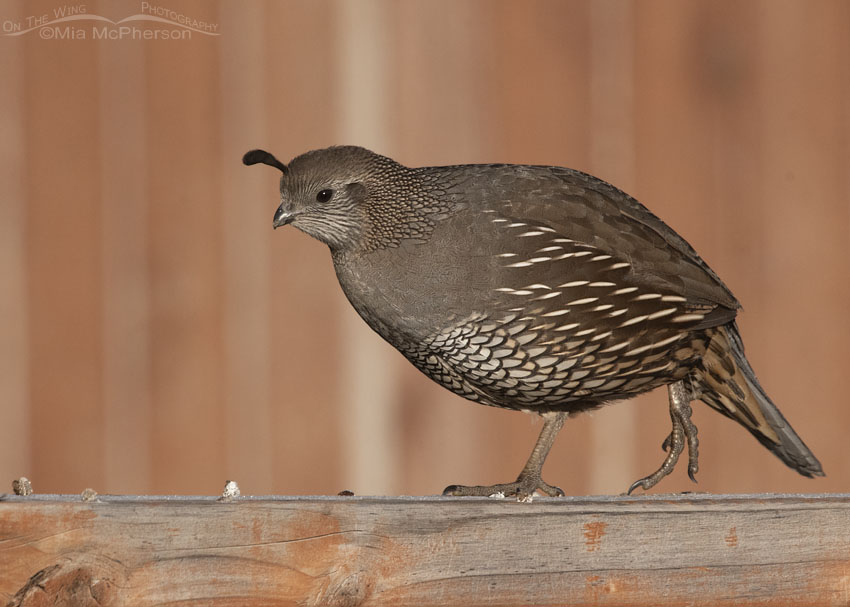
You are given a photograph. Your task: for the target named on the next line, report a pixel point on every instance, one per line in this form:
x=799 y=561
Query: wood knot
x=65 y=585
x=345 y=591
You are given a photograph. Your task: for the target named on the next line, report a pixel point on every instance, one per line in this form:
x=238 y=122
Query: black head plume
x=262 y=156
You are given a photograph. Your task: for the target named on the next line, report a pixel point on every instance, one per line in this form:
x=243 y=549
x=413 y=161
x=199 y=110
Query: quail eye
x=324 y=195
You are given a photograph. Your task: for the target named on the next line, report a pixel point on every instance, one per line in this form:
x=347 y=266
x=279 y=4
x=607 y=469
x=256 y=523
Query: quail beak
x=282 y=217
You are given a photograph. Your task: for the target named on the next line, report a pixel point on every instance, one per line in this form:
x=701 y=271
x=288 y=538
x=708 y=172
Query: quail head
x=534 y=288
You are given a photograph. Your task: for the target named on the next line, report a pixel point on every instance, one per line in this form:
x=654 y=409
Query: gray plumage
x=531 y=287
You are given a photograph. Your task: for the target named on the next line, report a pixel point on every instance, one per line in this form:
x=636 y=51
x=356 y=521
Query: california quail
x=535 y=288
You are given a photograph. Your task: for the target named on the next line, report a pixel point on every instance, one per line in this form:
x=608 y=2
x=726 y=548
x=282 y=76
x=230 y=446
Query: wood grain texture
x=659 y=550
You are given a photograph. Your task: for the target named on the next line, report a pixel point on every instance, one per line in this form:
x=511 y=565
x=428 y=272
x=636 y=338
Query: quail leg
x=529 y=480
x=683 y=430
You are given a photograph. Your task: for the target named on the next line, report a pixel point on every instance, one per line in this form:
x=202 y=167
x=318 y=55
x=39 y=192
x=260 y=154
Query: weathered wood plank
x=651 y=550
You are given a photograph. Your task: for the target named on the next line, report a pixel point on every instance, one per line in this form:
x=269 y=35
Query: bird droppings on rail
x=231 y=491
x=22 y=486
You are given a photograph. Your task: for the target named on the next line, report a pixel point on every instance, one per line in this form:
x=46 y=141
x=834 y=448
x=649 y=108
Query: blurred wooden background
x=157 y=336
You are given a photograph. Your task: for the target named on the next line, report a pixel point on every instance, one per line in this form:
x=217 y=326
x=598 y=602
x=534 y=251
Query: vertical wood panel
x=368 y=406
x=674 y=137
x=612 y=460
x=246 y=233
x=806 y=336
x=439 y=115
x=185 y=260
x=15 y=448
x=720 y=66
x=305 y=297
x=541 y=93
x=702 y=121
x=441 y=111
x=125 y=286
x=63 y=256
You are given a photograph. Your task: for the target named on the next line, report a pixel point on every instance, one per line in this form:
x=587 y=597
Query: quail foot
x=533 y=288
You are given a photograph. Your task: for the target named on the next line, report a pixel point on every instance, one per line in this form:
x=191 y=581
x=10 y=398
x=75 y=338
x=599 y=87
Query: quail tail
x=728 y=384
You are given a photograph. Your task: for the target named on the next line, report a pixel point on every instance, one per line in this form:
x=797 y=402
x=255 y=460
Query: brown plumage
x=533 y=288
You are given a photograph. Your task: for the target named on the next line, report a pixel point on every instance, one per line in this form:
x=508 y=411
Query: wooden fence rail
x=658 y=550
